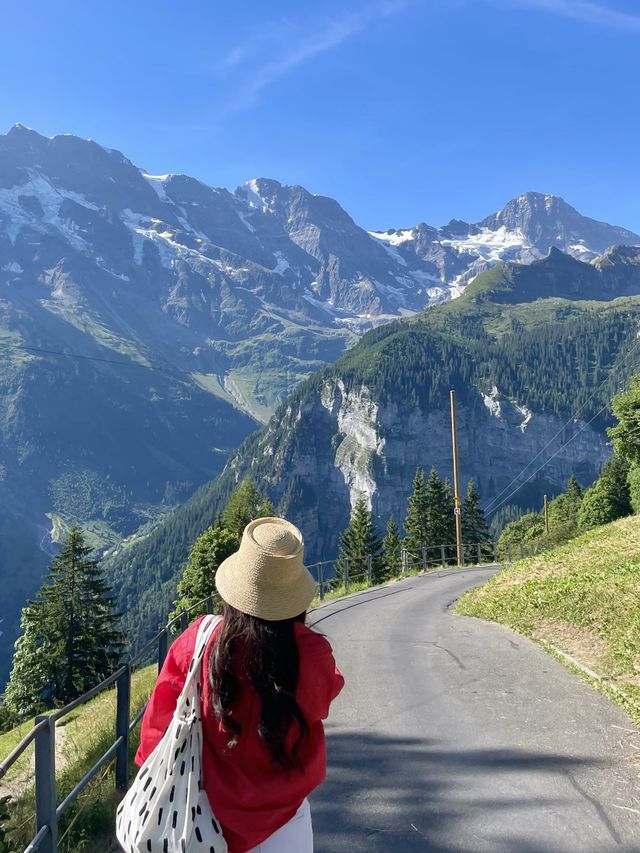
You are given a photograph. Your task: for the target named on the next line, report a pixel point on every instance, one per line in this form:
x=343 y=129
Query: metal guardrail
x=43 y=736
x=330 y=575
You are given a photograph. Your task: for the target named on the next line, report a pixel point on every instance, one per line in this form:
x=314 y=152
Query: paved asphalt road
x=457 y=735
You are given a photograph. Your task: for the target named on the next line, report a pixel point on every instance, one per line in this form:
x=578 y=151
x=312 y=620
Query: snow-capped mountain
x=266 y=247
x=523 y=231
x=167 y=266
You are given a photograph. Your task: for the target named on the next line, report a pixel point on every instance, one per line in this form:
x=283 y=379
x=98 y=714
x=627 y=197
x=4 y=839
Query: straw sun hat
x=266 y=576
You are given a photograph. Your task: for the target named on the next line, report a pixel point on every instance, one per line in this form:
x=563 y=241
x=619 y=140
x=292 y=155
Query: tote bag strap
x=187 y=696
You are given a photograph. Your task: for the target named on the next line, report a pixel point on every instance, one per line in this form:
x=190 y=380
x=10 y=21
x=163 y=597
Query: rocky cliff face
x=348 y=445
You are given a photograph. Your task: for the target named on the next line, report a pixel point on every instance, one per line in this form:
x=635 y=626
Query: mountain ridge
x=148 y=323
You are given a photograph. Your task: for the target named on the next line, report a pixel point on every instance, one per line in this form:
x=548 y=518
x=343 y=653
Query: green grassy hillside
x=582 y=599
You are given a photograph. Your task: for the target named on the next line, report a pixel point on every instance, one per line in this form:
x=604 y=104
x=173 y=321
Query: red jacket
x=250 y=794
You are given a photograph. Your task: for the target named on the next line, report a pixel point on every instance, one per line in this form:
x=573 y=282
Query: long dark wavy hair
x=266 y=655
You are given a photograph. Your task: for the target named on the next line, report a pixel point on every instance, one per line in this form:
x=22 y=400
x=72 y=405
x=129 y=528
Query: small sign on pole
x=457 y=510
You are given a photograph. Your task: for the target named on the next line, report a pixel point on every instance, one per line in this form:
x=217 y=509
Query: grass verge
x=81 y=738
x=582 y=602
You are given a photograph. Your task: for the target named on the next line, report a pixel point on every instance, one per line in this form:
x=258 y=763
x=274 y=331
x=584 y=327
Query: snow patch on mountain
x=157 y=183
x=394 y=238
x=394 y=253
x=492 y=402
x=526 y=413
x=283 y=264
x=50 y=199
x=491 y=246
x=250 y=193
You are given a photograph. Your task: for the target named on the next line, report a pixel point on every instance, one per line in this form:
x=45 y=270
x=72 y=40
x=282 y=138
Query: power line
x=555 y=453
x=112 y=361
x=491 y=507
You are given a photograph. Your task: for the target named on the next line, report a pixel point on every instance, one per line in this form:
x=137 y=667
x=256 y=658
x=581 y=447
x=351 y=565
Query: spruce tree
x=609 y=497
x=245 y=504
x=438 y=526
x=198 y=575
x=564 y=511
x=71 y=640
x=615 y=471
x=358 y=541
x=415 y=525
x=390 y=562
x=475 y=530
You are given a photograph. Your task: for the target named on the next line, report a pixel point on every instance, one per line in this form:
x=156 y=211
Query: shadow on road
x=409 y=795
x=355 y=601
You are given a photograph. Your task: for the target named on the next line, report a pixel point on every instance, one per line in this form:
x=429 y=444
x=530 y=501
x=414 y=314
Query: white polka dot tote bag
x=166 y=810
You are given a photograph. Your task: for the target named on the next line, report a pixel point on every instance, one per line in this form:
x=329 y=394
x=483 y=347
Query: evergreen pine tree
x=71 y=639
x=415 y=525
x=475 y=530
x=198 y=575
x=438 y=526
x=615 y=471
x=574 y=489
x=390 y=563
x=609 y=497
x=358 y=541
x=245 y=504
x=564 y=511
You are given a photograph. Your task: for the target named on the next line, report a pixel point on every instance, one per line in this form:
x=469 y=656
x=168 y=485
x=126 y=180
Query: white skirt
x=294 y=837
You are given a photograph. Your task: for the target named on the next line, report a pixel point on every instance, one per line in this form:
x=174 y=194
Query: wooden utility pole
x=546 y=516
x=456 y=479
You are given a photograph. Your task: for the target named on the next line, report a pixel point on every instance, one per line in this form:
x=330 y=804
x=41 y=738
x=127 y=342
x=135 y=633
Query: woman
x=267 y=684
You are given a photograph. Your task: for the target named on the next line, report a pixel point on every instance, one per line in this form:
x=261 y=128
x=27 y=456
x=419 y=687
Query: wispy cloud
x=259 y=62
x=587 y=11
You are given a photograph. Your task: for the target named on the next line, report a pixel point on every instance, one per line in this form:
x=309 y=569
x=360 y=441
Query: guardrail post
x=370 y=568
x=184 y=621
x=123 y=712
x=45 y=760
x=521 y=551
x=443 y=556
x=404 y=561
x=424 y=559
x=479 y=547
x=163 y=647
x=321 y=581
x=209 y=604
x=346 y=575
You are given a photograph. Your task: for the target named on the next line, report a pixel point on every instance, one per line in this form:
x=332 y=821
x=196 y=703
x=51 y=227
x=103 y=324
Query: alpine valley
x=150 y=324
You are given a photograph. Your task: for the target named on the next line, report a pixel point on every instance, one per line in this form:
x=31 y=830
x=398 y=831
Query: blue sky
x=403 y=110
